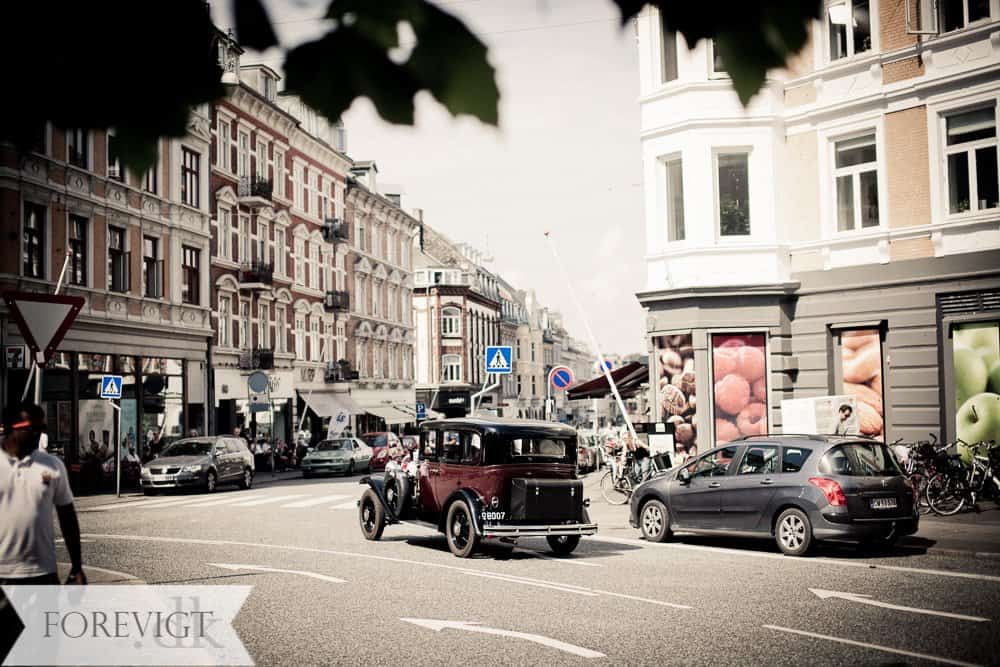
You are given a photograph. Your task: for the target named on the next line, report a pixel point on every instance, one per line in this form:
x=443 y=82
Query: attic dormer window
x=268 y=86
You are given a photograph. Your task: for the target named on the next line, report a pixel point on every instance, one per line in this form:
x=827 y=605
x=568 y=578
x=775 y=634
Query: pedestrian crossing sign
x=111 y=386
x=498 y=359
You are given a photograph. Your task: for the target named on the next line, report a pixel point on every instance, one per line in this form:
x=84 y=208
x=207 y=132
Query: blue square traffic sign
x=421 y=411
x=499 y=359
x=111 y=386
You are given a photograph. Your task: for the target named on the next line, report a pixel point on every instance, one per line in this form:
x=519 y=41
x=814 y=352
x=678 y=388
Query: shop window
x=849 y=28
x=976 y=384
x=674 y=370
x=971 y=153
x=856 y=177
x=861 y=377
x=739 y=373
x=734 y=193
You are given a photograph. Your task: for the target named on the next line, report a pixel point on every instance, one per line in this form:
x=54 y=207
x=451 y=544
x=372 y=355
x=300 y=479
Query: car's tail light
x=834 y=494
x=914 y=490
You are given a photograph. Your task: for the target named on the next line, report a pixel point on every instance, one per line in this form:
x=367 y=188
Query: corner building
x=838 y=236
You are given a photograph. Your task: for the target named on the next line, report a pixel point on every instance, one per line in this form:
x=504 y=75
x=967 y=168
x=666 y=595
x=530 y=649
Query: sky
x=565 y=158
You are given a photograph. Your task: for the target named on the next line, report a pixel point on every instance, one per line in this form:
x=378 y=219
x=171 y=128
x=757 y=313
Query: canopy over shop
x=630 y=379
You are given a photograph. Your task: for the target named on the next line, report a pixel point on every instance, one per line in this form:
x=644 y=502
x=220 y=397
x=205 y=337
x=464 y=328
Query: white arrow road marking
x=269 y=499
x=309 y=502
x=876 y=647
x=866 y=599
x=438 y=626
x=261 y=568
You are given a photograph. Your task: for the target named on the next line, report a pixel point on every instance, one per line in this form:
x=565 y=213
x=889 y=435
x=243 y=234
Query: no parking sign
x=560 y=377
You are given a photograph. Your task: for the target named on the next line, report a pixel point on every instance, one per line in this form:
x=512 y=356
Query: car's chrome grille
x=164 y=471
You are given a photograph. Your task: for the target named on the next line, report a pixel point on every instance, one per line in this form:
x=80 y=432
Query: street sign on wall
x=43 y=319
x=421 y=411
x=499 y=359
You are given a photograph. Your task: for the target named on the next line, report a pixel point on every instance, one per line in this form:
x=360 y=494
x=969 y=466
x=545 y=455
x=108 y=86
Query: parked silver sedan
x=340 y=455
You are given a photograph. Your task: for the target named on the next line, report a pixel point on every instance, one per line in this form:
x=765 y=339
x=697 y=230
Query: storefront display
x=739 y=365
x=976 y=355
x=676 y=389
x=861 y=367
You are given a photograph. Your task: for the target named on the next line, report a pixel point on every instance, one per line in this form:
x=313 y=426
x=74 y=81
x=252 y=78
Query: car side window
x=452 y=450
x=713 y=464
x=759 y=460
x=793 y=458
x=471 y=447
x=428 y=445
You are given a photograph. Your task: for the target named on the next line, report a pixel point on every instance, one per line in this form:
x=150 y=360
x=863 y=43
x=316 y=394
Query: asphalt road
x=691 y=601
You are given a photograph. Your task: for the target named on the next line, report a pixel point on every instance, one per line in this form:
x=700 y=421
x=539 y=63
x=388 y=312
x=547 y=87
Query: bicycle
x=919 y=467
x=959 y=485
x=616 y=483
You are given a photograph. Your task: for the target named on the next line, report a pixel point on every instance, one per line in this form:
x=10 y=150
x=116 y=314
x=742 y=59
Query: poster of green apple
x=976 y=356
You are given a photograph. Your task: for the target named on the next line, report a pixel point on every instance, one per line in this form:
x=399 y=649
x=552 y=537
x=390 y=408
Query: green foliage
x=751 y=36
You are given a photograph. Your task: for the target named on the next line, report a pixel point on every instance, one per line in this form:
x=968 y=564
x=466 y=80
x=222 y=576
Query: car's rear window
x=859 y=459
x=793 y=458
x=375 y=440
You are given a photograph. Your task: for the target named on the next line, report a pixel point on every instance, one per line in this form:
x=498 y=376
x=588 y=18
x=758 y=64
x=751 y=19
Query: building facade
x=136 y=247
x=851 y=243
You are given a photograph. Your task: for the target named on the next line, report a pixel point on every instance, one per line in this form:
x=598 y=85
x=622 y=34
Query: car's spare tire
x=397 y=492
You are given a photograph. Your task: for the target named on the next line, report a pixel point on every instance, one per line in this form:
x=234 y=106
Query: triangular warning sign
x=499 y=362
x=43 y=319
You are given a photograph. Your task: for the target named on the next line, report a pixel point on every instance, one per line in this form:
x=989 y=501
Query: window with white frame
x=244 y=238
x=313 y=265
x=225 y=321
x=718 y=67
x=280 y=332
x=300 y=336
x=376 y=298
x=958 y=14
x=328 y=351
x=323 y=198
x=390 y=306
x=341 y=341
x=451 y=368
x=375 y=249
x=377 y=359
x=279 y=172
x=262 y=161
x=855 y=163
x=243 y=154
x=297 y=185
x=733 y=194
x=360 y=359
x=327 y=273
x=314 y=351
x=223 y=151
x=451 y=322
x=674 y=182
x=280 y=251
x=971 y=154
x=225 y=241
x=849 y=29
x=360 y=235
x=668 y=52
x=309 y=188
x=300 y=261
x=360 y=303
x=263 y=333
x=244 y=325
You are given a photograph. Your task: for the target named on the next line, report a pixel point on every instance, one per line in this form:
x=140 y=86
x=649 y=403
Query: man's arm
x=71 y=537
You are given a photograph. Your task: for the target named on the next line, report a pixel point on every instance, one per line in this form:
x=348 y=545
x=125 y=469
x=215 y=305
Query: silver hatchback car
x=201 y=463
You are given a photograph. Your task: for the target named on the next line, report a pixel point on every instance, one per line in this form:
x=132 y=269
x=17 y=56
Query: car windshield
x=375 y=440
x=188 y=448
x=859 y=459
x=332 y=445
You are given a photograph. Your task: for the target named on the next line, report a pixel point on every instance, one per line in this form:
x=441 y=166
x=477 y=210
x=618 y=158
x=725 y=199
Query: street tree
x=139 y=67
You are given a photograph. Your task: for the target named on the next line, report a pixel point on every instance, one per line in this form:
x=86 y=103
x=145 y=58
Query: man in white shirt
x=32 y=483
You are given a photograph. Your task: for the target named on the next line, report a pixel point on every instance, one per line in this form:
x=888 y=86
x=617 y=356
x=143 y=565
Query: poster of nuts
x=739 y=365
x=676 y=391
x=861 y=359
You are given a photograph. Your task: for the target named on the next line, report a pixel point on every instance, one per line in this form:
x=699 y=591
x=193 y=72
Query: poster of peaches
x=676 y=391
x=861 y=353
x=739 y=366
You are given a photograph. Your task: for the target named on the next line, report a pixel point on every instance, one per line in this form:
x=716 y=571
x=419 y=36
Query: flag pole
x=590 y=334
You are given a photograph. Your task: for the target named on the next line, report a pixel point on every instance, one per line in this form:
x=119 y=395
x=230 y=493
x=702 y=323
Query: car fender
x=645 y=493
x=377 y=484
x=472 y=500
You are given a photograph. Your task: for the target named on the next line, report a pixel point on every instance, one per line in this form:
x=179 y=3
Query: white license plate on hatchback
x=884 y=503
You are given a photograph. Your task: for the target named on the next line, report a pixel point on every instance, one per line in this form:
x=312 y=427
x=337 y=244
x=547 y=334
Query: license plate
x=884 y=503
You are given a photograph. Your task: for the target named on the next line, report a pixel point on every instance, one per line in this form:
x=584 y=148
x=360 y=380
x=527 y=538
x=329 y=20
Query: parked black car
x=795 y=488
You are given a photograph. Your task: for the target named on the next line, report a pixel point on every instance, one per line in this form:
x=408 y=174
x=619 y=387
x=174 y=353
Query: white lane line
x=310 y=502
x=353 y=505
x=267 y=500
x=472 y=626
x=176 y=502
x=124 y=577
x=875 y=647
x=796 y=560
x=260 y=568
x=228 y=498
x=568 y=588
x=823 y=594
x=566 y=561
x=133 y=505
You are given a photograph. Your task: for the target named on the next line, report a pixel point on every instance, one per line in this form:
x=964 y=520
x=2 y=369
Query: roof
x=506 y=426
x=629 y=378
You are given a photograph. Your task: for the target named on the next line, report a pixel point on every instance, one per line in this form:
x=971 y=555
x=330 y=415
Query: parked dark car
x=482 y=478
x=796 y=489
x=202 y=463
x=380 y=442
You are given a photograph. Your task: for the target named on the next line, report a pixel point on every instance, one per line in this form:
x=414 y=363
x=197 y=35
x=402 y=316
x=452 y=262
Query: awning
x=629 y=379
x=327 y=404
x=390 y=414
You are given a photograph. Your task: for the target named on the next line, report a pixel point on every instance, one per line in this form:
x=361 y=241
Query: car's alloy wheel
x=654 y=521
x=247 y=481
x=371 y=516
x=794 y=532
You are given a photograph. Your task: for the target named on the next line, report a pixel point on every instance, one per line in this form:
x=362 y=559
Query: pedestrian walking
x=32 y=483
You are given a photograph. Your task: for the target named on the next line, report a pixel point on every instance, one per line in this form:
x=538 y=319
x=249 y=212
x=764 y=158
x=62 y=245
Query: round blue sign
x=561 y=377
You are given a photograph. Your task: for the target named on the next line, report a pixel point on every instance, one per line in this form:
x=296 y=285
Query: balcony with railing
x=336 y=300
x=340 y=371
x=259 y=358
x=335 y=229
x=255 y=192
x=256 y=275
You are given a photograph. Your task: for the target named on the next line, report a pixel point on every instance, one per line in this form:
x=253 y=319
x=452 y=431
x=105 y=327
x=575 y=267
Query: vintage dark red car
x=480 y=478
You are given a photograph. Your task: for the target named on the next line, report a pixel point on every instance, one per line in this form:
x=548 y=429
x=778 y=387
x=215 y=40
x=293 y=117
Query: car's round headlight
x=195 y=468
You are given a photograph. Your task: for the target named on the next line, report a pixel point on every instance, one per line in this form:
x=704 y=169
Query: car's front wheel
x=371 y=515
x=459 y=529
x=654 y=521
x=563 y=545
x=793 y=532
x=246 y=481
x=350 y=469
